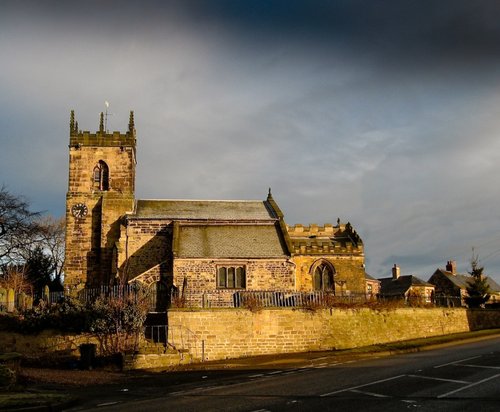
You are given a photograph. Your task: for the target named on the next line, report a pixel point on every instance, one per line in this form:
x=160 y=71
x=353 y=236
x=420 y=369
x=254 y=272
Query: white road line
x=454 y=362
x=195 y=390
x=468 y=386
x=377 y=395
x=107 y=404
x=437 y=379
x=256 y=376
x=480 y=366
x=177 y=393
x=362 y=386
x=275 y=372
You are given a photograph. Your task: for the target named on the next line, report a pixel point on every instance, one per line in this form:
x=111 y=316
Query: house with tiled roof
x=195 y=247
x=451 y=287
x=405 y=287
x=372 y=286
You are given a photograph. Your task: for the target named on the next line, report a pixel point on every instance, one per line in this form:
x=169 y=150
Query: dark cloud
x=381 y=113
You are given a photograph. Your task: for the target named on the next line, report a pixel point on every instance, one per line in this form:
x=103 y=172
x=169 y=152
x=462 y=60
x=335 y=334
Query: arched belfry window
x=100 y=176
x=322 y=276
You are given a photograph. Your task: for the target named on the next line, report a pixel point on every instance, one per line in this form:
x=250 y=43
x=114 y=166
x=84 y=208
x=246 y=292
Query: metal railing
x=160 y=298
x=155 y=295
x=284 y=299
x=177 y=337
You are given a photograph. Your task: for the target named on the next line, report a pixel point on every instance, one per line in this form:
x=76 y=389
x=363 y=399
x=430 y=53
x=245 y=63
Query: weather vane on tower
x=106 y=116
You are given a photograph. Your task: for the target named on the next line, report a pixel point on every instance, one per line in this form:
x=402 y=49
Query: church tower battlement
x=101 y=189
x=101 y=137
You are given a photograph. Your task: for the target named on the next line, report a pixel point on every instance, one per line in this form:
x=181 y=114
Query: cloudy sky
x=383 y=113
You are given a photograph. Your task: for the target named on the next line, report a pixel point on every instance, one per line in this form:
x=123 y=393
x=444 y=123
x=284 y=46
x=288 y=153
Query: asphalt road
x=459 y=378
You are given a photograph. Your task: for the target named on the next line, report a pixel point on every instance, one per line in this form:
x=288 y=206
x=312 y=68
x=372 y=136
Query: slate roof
x=230 y=241
x=461 y=281
x=370 y=277
x=391 y=287
x=249 y=210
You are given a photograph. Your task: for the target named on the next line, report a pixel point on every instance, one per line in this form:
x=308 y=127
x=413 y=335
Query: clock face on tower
x=79 y=210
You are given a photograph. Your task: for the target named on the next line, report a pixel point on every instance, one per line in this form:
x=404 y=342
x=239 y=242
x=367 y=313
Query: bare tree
x=51 y=239
x=18 y=227
x=14 y=277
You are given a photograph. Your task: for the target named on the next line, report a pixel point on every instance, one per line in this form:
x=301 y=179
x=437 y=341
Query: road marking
x=468 y=386
x=454 y=362
x=362 y=386
x=437 y=379
x=257 y=375
x=481 y=366
x=275 y=372
x=376 y=395
x=199 y=389
x=107 y=404
x=177 y=393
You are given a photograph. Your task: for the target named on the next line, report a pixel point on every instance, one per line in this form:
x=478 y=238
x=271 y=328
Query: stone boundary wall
x=45 y=344
x=224 y=334
x=232 y=333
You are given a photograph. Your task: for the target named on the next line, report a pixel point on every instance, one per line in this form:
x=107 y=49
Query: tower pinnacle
x=131 y=125
x=101 y=123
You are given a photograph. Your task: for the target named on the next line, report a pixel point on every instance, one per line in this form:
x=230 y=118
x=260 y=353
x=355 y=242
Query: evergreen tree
x=39 y=269
x=478 y=290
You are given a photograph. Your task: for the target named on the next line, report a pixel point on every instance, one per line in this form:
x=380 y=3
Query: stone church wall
x=348 y=268
x=200 y=277
x=148 y=243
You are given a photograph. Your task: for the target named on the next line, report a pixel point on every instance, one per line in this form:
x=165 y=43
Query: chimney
x=451 y=266
x=396 y=271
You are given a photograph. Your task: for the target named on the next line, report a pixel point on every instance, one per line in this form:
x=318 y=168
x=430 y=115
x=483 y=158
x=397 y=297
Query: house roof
x=461 y=280
x=369 y=277
x=248 y=210
x=230 y=241
x=398 y=287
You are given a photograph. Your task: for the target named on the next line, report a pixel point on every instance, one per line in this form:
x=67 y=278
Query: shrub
x=117 y=321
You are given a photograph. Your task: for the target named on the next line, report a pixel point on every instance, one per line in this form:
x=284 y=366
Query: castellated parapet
x=324 y=239
x=102 y=137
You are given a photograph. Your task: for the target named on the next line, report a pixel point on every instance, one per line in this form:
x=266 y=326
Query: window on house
x=231 y=277
x=100 y=176
x=323 y=277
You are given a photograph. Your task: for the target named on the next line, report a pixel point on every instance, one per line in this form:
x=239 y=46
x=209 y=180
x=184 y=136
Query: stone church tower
x=100 y=191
